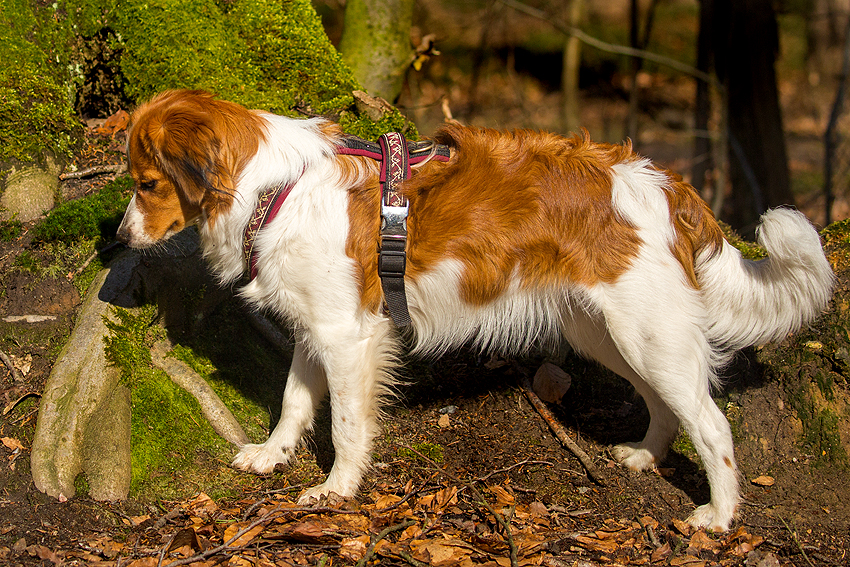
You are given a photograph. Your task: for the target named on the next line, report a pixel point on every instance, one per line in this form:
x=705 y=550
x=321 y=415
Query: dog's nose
x=123 y=235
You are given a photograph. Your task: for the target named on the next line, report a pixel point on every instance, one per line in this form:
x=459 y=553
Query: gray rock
x=30 y=190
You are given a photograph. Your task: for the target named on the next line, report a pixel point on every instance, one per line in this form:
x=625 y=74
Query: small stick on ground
x=371 y=551
x=91 y=258
x=16 y=374
x=559 y=432
x=92 y=171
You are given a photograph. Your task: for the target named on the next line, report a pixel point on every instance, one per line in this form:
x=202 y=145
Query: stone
x=30 y=190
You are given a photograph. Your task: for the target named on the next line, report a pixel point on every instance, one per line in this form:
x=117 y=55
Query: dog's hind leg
x=589 y=336
x=660 y=337
x=306 y=387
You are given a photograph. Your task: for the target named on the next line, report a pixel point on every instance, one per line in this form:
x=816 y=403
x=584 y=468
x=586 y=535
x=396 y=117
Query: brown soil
x=803 y=518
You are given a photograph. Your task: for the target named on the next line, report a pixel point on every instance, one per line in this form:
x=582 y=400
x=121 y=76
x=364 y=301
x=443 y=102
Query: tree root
x=213 y=408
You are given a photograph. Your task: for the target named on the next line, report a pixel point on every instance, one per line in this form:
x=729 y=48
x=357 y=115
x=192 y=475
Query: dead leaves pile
x=443 y=525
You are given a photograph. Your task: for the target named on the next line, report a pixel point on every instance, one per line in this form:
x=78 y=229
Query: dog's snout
x=123 y=235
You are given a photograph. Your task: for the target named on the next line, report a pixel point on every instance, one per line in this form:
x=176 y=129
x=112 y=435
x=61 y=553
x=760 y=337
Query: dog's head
x=186 y=150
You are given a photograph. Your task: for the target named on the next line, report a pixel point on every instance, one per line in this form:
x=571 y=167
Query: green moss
x=261 y=53
x=245 y=409
x=10 y=230
x=268 y=54
x=95 y=216
x=128 y=344
x=749 y=250
x=430 y=450
x=36 y=93
x=27 y=262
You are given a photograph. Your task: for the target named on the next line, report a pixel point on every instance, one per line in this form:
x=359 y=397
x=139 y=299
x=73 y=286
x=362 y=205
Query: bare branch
x=610 y=47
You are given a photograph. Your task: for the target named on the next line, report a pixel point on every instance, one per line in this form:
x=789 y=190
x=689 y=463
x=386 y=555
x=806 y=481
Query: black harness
x=396 y=155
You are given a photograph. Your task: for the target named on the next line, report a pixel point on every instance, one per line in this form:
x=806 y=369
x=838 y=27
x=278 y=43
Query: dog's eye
x=147 y=185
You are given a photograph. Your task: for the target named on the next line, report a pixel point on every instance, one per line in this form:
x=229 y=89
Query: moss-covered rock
x=36 y=88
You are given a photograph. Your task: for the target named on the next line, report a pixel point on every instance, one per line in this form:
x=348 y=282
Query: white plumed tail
x=755 y=302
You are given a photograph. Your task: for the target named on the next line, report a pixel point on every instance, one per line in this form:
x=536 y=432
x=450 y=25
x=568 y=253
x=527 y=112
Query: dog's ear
x=187 y=145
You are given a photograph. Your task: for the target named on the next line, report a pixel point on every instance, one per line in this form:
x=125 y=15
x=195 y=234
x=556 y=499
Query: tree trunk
x=571 y=104
x=376 y=46
x=702 y=111
x=746 y=43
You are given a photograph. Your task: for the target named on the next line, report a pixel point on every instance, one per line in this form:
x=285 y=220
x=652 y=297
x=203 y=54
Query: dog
x=519 y=239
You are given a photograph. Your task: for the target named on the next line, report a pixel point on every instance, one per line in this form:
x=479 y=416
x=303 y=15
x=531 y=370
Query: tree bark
x=571 y=105
x=746 y=43
x=376 y=46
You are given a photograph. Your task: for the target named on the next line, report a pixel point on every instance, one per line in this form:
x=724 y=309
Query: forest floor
x=465 y=471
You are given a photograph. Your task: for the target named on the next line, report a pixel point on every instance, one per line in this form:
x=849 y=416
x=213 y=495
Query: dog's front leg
x=306 y=387
x=358 y=369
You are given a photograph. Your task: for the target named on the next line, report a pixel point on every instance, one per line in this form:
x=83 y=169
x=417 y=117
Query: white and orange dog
x=519 y=238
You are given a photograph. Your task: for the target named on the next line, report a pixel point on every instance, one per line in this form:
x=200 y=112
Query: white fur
x=650 y=326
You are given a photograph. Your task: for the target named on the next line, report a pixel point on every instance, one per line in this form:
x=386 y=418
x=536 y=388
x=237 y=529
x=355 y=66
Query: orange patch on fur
x=728 y=462
x=535 y=205
x=694 y=223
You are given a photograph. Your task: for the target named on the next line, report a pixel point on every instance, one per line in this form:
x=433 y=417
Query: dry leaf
x=503 y=497
x=245 y=538
x=22 y=363
x=44 y=553
x=700 y=541
x=593 y=544
x=538 y=509
x=355 y=548
x=385 y=500
x=114 y=123
x=202 y=505
x=551 y=383
x=445 y=497
x=441 y=554
x=144 y=562
x=661 y=553
x=764 y=480
x=683 y=528
x=12 y=444
x=649 y=521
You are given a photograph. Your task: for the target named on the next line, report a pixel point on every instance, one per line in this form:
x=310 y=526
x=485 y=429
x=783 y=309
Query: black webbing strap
x=392 y=258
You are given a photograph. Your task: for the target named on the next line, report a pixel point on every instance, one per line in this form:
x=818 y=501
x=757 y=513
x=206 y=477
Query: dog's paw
x=633 y=456
x=707 y=516
x=313 y=496
x=260 y=459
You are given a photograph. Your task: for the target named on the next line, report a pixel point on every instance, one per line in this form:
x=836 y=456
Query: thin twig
x=506 y=469
x=498 y=517
x=16 y=374
x=387 y=531
x=610 y=47
x=92 y=171
x=411 y=560
x=91 y=258
x=226 y=546
x=797 y=541
x=559 y=432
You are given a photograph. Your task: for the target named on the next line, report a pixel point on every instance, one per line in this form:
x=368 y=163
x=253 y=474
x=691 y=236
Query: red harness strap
x=267 y=208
